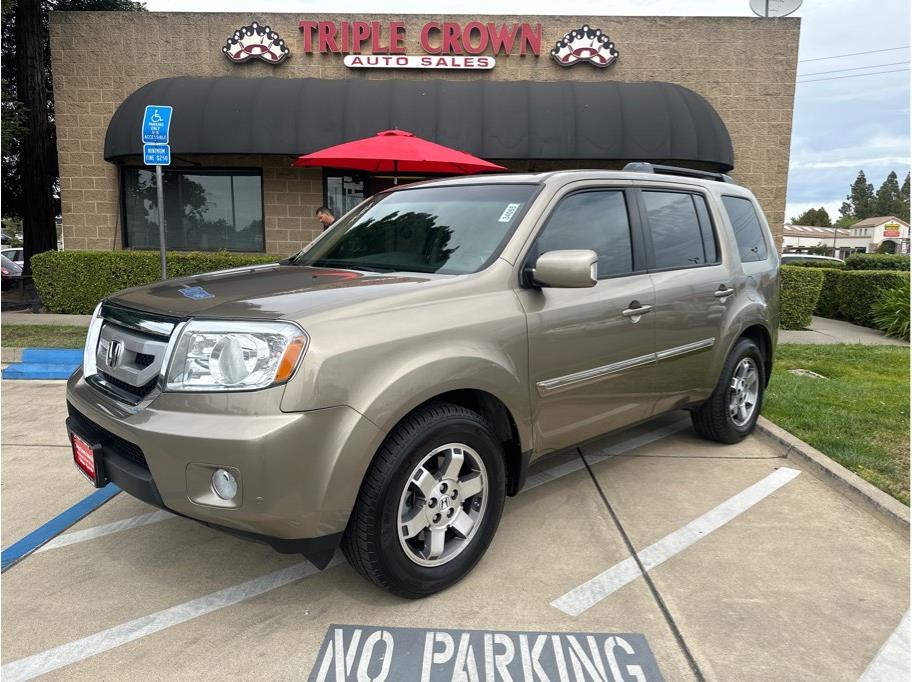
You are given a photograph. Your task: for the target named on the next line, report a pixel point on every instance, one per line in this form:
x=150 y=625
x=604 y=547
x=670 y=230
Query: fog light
x=224 y=484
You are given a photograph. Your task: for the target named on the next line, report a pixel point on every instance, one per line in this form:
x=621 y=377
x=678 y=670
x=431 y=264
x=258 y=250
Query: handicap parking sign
x=157 y=154
x=156 y=124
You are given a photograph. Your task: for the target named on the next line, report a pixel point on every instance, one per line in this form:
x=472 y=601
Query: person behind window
x=325 y=216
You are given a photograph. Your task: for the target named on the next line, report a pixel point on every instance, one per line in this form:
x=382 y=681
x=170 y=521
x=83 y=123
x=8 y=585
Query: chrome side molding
x=557 y=384
x=686 y=349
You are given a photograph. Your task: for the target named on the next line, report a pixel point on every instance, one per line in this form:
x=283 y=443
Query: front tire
x=731 y=412
x=430 y=502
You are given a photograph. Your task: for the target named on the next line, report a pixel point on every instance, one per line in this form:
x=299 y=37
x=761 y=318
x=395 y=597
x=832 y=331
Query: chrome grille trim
x=145 y=341
x=133 y=343
x=147 y=323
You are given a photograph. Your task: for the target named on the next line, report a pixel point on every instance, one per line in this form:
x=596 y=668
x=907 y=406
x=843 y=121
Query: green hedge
x=877 y=261
x=859 y=292
x=798 y=294
x=832 y=264
x=828 y=302
x=75 y=281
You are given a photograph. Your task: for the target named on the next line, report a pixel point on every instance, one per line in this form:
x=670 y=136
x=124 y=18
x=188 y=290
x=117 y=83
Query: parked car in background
x=388 y=386
x=11 y=273
x=5 y=238
x=792 y=258
x=15 y=255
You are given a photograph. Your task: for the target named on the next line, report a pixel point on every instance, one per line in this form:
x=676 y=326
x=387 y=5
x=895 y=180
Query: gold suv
x=389 y=385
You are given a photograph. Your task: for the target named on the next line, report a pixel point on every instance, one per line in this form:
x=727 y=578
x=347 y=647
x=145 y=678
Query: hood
x=279 y=291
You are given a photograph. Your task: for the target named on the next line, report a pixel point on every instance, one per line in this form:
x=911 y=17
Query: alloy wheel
x=744 y=392
x=442 y=505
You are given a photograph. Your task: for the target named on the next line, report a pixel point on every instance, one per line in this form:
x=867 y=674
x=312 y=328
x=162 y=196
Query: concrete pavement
x=802 y=584
x=27 y=317
x=826 y=331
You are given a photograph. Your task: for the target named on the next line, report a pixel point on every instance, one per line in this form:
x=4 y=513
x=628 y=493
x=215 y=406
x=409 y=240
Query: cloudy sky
x=840 y=125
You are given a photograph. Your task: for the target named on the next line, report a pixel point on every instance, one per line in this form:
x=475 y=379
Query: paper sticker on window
x=508 y=213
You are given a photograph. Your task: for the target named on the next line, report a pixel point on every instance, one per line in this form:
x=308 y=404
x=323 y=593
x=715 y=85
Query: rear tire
x=731 y=412
x=415 y=530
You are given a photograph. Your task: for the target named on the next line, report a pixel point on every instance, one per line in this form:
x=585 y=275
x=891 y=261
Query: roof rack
x=644 y=167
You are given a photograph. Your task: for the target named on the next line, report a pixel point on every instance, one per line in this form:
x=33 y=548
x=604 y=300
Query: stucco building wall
x=745 y=67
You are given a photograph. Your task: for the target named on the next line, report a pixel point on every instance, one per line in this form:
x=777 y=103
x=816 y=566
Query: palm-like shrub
x=891 y=312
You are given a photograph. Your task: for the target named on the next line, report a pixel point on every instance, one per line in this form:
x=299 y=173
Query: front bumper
x=300 y=472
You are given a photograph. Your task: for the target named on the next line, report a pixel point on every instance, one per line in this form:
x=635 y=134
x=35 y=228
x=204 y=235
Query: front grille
x=130 y=352
x=136 y=393
x=144 y=359
x=108 y=440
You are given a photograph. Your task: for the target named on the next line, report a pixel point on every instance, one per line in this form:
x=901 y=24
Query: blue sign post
x=156 y=124
x=157 y=154
x=156 y=128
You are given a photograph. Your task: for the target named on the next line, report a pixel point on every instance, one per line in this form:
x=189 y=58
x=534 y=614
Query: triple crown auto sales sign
x=446 y=45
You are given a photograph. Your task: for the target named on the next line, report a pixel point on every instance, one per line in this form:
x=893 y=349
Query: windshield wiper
x=345 y=265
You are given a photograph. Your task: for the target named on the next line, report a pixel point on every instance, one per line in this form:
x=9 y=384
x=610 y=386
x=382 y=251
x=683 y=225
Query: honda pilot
x=388 y=387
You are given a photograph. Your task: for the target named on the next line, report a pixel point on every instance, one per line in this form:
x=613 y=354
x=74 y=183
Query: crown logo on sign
x=585 y=44
x=256 y=42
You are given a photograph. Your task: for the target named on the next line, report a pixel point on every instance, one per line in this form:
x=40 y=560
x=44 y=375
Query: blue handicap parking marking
x=22 y=548
x=195 y=293
x=44 y=363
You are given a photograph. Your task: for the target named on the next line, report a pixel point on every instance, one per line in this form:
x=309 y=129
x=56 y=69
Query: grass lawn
x=859 y=416
x=42 y=336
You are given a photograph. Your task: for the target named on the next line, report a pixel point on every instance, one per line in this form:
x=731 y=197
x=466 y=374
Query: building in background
x=883 y=234
x=810 y=239
x=250 y=92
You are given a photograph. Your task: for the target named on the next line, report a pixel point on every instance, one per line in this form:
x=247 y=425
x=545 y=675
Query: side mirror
x=566 y=269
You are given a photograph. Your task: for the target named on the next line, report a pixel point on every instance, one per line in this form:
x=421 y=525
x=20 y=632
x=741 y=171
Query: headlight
x=213 y=355
x=89 y=367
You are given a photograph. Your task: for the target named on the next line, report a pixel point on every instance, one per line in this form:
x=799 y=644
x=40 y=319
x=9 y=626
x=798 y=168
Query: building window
x=205 y=210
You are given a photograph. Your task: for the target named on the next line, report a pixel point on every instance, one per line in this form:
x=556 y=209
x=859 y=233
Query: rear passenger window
x=747 y=227
x=681 y=232
x=591 y=220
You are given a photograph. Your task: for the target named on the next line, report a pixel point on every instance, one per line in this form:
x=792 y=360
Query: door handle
x=636 y=312
x=723 y=293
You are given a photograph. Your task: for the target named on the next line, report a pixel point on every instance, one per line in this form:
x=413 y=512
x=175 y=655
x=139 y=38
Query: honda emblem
x=115 y=350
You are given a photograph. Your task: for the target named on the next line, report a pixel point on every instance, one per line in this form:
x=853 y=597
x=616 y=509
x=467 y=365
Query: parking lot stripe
x=106 y=529
x=590 y=593
x=81 y=649
x=576 y=464
x=22 y=548
x=892 y=661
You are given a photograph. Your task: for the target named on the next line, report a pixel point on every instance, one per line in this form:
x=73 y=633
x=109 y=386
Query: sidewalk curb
x=10 y=355
x=890 y=510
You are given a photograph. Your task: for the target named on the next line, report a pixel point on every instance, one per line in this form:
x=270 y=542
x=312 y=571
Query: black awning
x=491 y=119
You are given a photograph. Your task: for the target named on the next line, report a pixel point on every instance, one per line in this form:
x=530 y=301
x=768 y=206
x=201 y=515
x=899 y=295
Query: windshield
x=452 y=230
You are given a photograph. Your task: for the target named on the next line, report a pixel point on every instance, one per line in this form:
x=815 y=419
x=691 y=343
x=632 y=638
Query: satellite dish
x=774 y=8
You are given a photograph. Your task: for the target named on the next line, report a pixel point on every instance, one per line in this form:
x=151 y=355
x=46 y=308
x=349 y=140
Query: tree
x=817 y=217
x=904 y=200
x=845 y=221
x=39 y=231
x=29 y=177
x=888 y=200
x=861 y=197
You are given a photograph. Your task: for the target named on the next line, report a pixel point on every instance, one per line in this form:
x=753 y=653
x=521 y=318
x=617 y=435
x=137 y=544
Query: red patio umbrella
x=397 y=151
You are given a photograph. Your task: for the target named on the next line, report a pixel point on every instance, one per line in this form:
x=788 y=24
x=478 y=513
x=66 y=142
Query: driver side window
x=595 y=220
